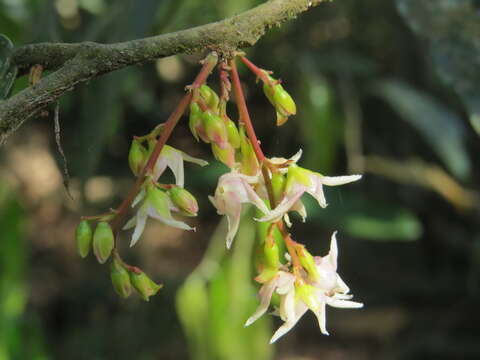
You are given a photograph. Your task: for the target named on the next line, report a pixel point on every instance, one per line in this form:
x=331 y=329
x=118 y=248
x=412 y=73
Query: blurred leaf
x=218 y=297
x=8 y=71
x=451 y=28
x=365 y=218
x=440 y=127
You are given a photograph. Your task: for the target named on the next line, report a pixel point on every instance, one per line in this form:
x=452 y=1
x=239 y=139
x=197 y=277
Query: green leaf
x=441 y=128
x=8 y=71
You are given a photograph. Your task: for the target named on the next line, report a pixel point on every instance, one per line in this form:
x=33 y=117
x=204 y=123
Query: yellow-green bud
x=159 y=199
x=215 y=129
x=144 y=285
x=280 y=99
x=270 y=250
x=308 y=263
x=232 y=133
x=210 y=97
x=225 y=155
x=307 y=293
x=120 y=279
x=137 y=157
x=278 y=185
x=195 y=119
x=249 y=164
x=185 y=201
x=83 y=236
x=103 y=241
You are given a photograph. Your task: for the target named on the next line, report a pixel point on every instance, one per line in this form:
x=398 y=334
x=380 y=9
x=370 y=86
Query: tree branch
x=77 y=63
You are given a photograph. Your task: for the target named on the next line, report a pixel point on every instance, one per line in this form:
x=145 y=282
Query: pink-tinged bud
x=83 y=236
x=144 y=285
x=210 y=97
x=103 y=241
x=215 y=129
x=137 y=157
x=232 y=133
x=280 y=99
x=225 y=155
x=185 y=201
x=120 y=279
x=308 y=262
x=249 y=163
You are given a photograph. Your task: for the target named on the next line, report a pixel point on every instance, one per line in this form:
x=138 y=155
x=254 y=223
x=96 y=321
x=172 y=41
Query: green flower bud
x=185 y=201
x=297 y=174
x=249 y=163
x=215 y=129
x=280 y=99
x=195 y=119
x=159 y=200
x=103 y=241
x=270 y=250
x=144 y=285
x=307 y=293
x=278 y=185
x=137 y=157
x=232 y=133
x=308 y=263
x=83 y=236
x=225 y=155
x=210 y=97
x=120 y=279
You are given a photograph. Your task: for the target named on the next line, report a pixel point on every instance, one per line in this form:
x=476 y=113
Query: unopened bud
x=271 y=252
x=137 y=157
x=308 y=263
x=215 y=129
x=210 y=97
x=232 y=133
x=225 y=155
x=249 y=164
x=83 y=236
x=307 y=293
x=103 y=241
x=185 y=201
x=278 y=185
x=144 y=285
x=280 y=99
x=195 y=119
x=120 y=279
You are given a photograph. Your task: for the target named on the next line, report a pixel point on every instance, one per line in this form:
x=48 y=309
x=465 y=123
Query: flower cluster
x=291 y=283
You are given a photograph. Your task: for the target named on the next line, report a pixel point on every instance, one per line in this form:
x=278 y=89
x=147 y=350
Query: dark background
x=384 y=88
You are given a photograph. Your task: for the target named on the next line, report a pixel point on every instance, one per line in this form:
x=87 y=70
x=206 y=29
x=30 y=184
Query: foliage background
x=385 y=88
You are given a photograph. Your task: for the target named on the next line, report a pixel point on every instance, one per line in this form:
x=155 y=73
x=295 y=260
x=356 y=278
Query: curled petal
x=130 y=223
x=316 y=190
x=265 y=293
x=140 y=196
x=339 y=180
x=169 y=220
x=141 y=219
x=233 y=212
x=343 y=304
x=194 y=160
x=333 y=253
x=283 y=207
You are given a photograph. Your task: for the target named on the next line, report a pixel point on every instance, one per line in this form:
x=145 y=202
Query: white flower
x=157 y=205
x=300 y=181
x=234 y=189
x=173 y=158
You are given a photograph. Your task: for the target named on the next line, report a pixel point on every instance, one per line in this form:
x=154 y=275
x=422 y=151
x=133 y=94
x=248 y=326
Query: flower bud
x=280 y=99
x=278 y=185
x=83 y=236
x=120 y=279
x=271 y=252
x=210 y=97
x=249 y=164
x=226 y=155
x=215 y=129
x=232 y=133
x=137 y=157
x=144 y=285
x=103 y=240
x=307 y=293
x=185 y=201
x=195 y=119
x=308 y=263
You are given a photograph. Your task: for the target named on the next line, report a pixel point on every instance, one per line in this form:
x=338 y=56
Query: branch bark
x=77 y=63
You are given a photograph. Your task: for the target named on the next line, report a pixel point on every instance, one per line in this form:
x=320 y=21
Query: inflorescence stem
x=247 y=122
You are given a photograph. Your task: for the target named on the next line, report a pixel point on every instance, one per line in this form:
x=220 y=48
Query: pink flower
x=234 y=189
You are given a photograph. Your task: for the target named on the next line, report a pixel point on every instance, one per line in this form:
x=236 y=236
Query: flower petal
x=194 y=160
x=265 y=293
x=333 y=253
x=168 y=220
x=283 y=207
x=140 y=225
x=343 y=304
x=233 y=212
x=339 y=180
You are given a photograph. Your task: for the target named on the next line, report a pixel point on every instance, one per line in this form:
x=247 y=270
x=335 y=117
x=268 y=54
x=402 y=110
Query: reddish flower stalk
x=170 y=124
x=245 y=119
x=256 y=70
